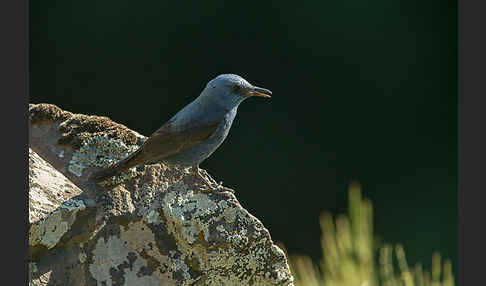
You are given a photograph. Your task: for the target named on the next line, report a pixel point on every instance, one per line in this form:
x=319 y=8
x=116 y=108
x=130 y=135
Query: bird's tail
x=111 y=171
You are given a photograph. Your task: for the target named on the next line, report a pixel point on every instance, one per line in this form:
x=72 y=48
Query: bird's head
x=229 y=90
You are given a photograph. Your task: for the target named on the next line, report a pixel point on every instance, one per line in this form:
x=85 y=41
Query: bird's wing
x=166 y=142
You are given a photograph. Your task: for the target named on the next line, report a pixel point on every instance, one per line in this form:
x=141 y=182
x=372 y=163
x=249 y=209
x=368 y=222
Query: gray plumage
x=197 y=130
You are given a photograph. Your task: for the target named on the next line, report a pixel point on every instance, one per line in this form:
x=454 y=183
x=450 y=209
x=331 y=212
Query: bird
x=196 y=131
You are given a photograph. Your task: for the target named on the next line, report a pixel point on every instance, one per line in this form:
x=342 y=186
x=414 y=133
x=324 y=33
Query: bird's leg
x=217 y=185
x=196 y=171
x=208 y=183
x=206 y=175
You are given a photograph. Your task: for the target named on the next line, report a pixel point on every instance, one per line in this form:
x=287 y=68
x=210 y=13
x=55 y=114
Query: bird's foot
x=214 y=189
x=210 y=185
x=223 y=188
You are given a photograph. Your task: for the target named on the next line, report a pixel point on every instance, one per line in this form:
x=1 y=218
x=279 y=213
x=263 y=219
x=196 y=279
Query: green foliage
x=348 y=255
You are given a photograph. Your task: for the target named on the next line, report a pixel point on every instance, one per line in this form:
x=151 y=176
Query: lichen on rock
x=155 y=225
x=101 y=151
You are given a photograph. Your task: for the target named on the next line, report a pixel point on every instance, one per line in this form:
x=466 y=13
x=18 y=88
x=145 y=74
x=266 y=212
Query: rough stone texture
x=153 y=225
x=47 y=188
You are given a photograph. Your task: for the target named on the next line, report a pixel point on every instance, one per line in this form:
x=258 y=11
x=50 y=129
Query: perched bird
x=196 y=131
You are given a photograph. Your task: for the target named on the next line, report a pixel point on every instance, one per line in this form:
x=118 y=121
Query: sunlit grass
x=351 y=257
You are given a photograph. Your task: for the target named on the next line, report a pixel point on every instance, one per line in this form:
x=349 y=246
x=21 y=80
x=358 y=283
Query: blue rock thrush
x=196 y=131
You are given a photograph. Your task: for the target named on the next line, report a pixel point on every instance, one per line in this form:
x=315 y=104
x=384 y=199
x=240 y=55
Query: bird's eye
x=236 y=87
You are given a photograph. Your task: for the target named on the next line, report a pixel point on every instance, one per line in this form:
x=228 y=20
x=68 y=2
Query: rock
x=153 y=225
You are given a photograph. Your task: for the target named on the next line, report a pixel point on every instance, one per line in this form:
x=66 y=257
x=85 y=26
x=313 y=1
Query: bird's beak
x=258 y=91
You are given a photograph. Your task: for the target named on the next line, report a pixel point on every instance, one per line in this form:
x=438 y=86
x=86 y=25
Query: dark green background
x=363 y=90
